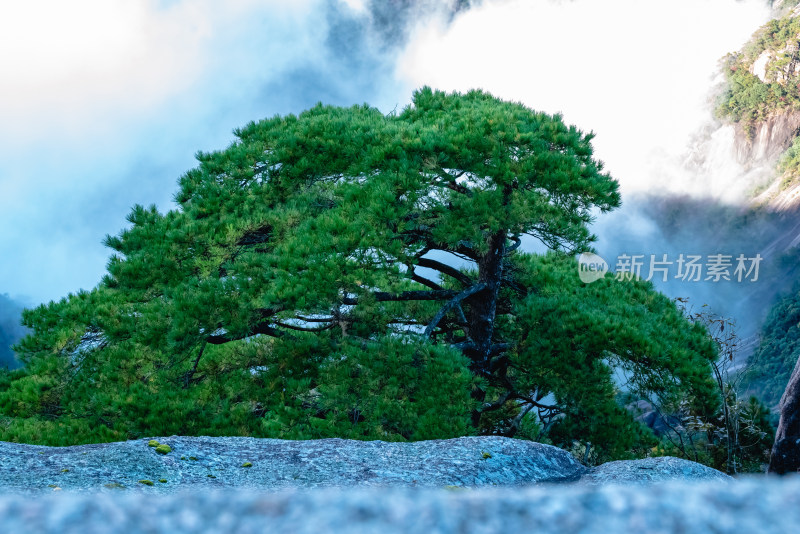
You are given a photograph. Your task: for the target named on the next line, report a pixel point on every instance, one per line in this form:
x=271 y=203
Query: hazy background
x=103 y=103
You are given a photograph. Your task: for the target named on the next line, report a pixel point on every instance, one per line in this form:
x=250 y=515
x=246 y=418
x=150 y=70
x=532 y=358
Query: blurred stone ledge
x=754 y=505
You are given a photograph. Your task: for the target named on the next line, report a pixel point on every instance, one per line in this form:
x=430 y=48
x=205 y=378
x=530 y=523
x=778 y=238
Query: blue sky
x=103 y=103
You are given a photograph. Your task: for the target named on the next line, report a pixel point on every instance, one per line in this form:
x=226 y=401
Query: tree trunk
x=785 y=457
x=483 y=311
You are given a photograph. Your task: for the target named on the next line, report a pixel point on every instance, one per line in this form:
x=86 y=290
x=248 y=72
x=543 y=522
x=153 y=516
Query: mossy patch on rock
x=163 y=449
x=146 y=482
x=247 y=464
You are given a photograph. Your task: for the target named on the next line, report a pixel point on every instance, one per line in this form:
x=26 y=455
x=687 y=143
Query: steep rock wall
x=767 y=140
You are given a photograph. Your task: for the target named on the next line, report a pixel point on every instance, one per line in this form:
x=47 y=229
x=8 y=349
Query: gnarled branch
x=444 y=269
x=450 y=304
x=382 y=296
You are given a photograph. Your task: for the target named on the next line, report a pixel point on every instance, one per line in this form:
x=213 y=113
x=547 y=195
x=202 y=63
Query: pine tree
x=346 y=273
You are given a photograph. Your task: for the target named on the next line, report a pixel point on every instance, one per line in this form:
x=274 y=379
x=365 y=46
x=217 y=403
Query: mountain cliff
x=762 y=101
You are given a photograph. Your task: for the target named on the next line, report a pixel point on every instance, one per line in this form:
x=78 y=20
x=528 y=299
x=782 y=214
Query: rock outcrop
x=649 y=470
x=273 y=464
x=785 y=456
x=659 y=423
x=169 y=465
x=763 y=142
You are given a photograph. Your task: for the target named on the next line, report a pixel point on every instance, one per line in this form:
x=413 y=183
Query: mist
x=11 y=331
x=106 y=103
x=110 y=100
x=658 y=228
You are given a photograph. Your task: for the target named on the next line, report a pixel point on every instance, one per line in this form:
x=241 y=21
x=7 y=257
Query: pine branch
x=445 y=269
x=450 y=304
x=405 y=296
x=305 y=328
x=265 y=329
x=424 y=281
x=449 y=181
x=190 y=374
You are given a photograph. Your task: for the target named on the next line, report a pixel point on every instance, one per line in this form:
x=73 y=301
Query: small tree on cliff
x=342 y=272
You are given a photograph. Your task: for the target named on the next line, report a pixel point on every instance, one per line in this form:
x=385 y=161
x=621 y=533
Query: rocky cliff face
x=762 y=101
x=778 y=63
x=763 y=142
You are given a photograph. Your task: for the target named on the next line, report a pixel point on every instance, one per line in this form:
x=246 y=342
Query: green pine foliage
x=789 y=165
x=746 y=98
x=778 y=351
x=305 y=287
x=606 y=327
x=784 y=5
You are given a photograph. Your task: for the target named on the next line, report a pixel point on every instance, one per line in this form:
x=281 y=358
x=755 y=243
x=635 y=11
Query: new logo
x=591 y=267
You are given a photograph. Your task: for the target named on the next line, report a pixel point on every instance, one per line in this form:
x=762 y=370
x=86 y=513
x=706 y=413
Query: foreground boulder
x=756 y=505
x=165 y=465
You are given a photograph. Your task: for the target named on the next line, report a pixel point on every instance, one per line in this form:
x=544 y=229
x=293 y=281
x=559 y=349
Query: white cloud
x=637 y=72
x=356 y=5
x=105 y=102
x=82 y=66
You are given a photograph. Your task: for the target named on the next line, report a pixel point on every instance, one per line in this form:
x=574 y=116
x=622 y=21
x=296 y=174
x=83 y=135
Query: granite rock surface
x=272 y=464
x=649 y=470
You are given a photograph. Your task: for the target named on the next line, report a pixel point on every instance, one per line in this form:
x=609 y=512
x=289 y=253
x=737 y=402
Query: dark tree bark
x=785 y=457
x=483 y=309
